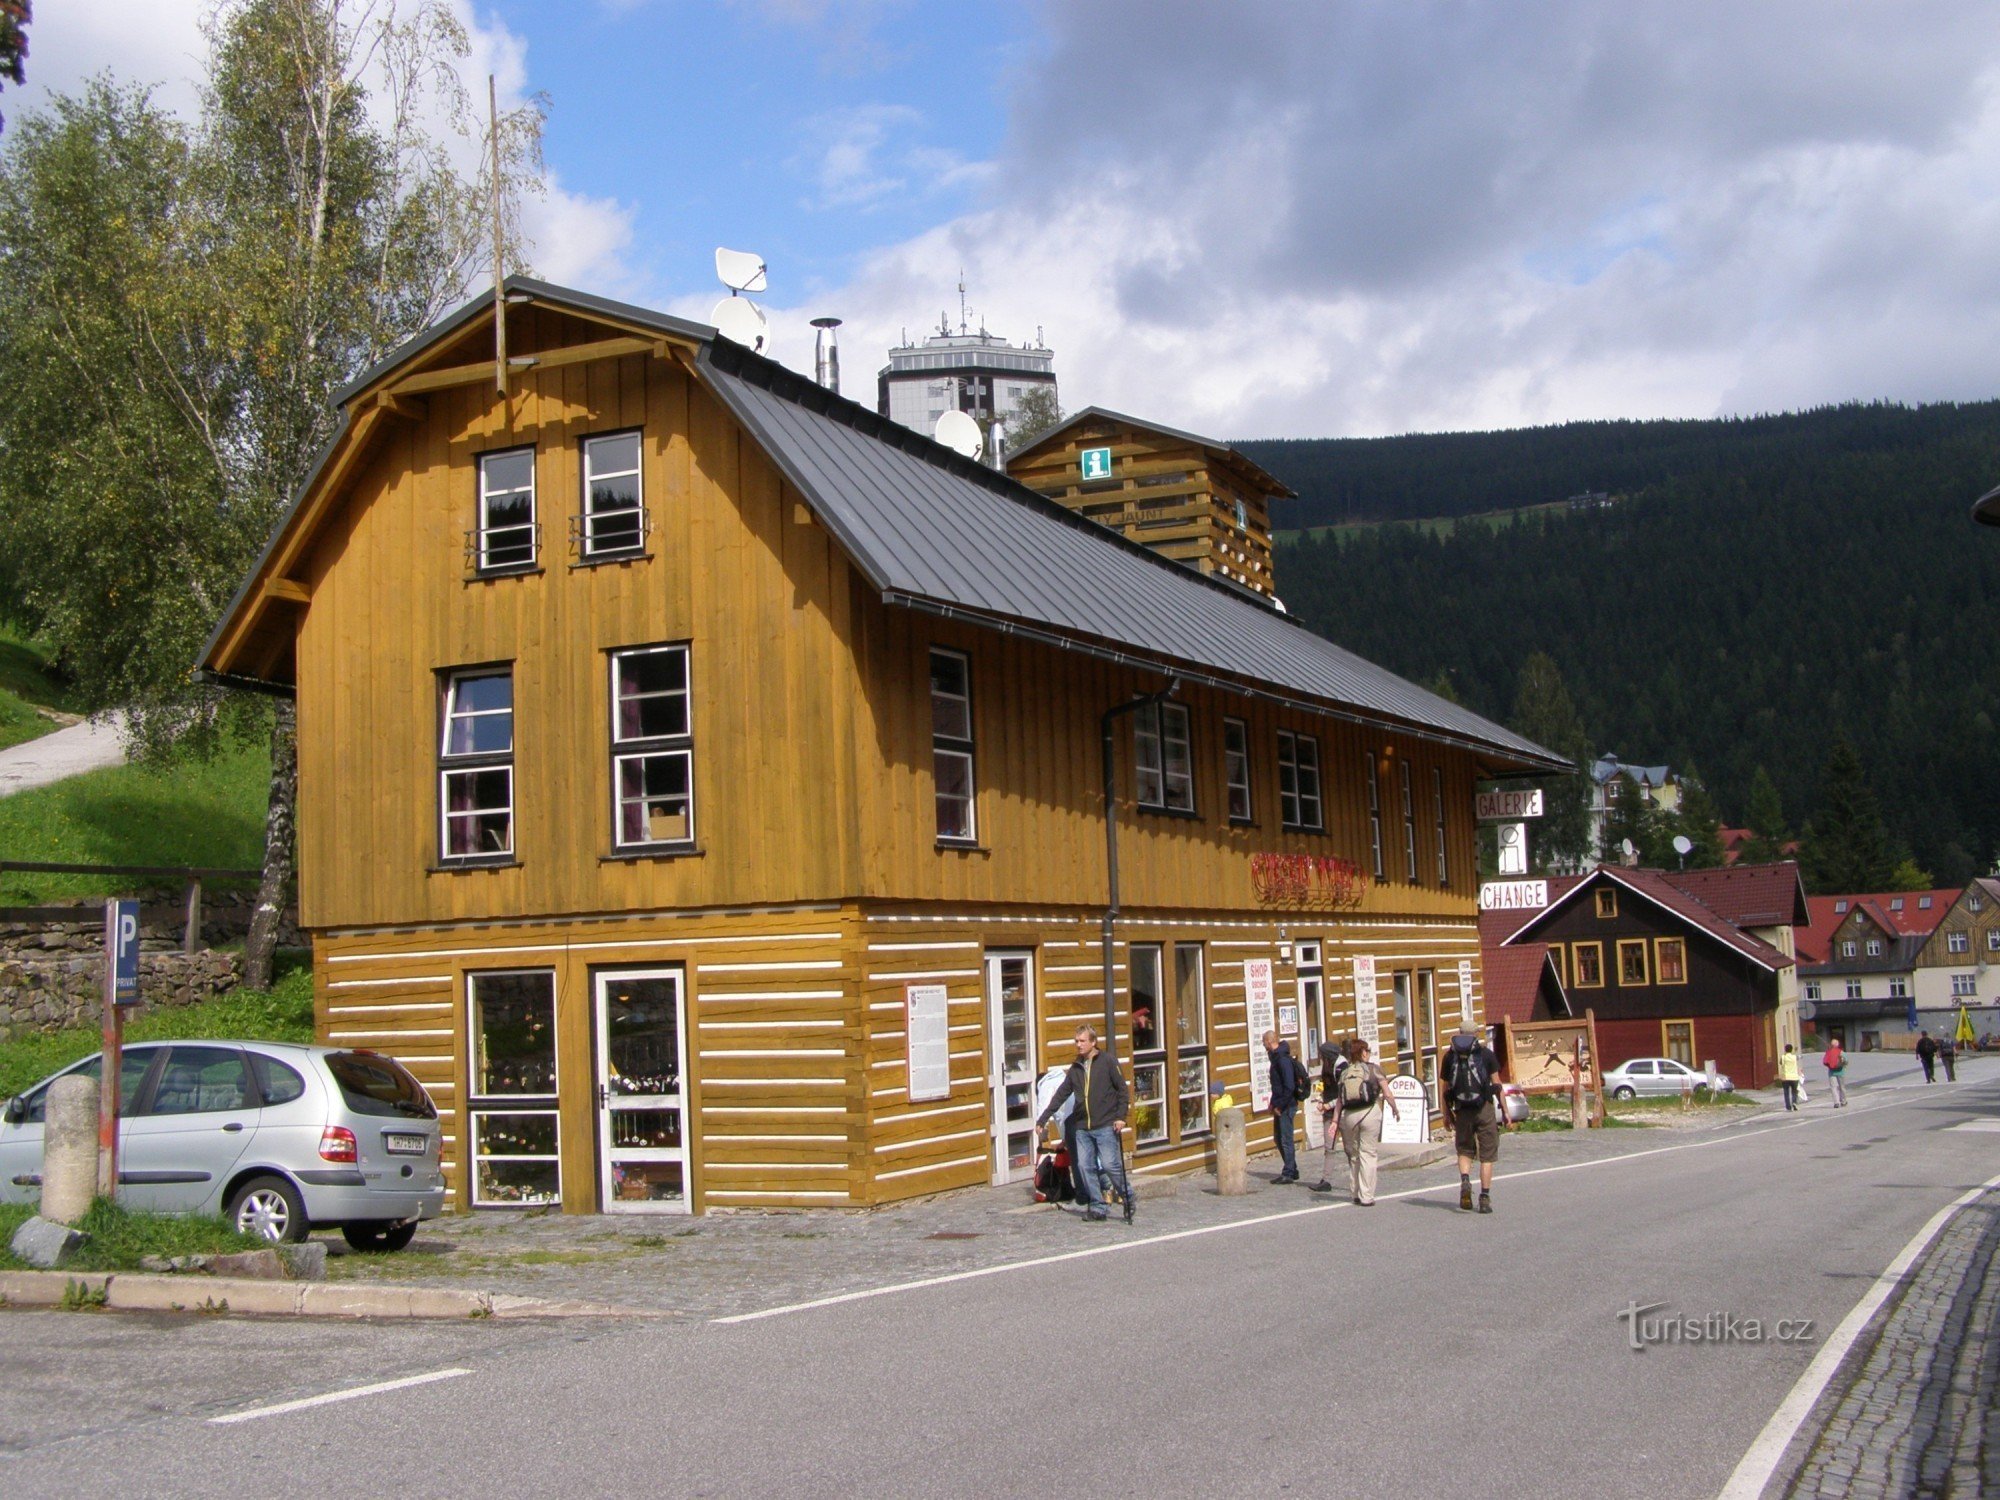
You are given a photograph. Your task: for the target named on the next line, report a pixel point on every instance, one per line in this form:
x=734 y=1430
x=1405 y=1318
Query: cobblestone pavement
x=1915 y=1409
x=727 y=1263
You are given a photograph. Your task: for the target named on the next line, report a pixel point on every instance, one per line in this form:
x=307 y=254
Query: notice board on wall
x=927 y=1040
x=1260 y=1008
x=1367 y=1023
x=1465 y=992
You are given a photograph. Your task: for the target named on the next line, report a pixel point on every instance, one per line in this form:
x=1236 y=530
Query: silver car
x=279 y=1138
x=1659 y=1075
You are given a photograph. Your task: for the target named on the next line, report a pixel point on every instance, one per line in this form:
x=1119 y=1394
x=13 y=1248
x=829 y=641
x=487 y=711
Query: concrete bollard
x=69 y=1149
x=1232 y=1153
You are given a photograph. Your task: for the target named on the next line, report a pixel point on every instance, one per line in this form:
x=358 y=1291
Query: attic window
x=1607 y=902
x=1923 y=903
x=1839 y=907
x=507 y=534
x=1895 y=903
x=614 y=512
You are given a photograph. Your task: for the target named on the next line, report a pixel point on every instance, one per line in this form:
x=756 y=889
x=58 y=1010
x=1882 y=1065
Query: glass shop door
x=1011 y=1059
x=641 y=1095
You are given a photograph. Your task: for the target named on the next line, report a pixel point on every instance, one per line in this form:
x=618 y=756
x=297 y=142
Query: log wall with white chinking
x=774 y=1088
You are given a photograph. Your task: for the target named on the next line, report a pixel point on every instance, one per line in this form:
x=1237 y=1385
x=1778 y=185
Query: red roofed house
x=1523 y=982
x=1857 y=959
x=1693 y=965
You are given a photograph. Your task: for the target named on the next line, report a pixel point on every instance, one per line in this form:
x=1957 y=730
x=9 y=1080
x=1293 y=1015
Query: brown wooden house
x=700 y=783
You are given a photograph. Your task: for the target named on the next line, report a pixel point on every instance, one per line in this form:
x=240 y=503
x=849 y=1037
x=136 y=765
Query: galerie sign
x=1260 y=1008
x=1508 y=807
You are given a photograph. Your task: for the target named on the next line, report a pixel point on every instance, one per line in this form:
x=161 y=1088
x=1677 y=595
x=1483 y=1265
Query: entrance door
x=1312 y=1001
x=1011 y=1059
x=641 y=1092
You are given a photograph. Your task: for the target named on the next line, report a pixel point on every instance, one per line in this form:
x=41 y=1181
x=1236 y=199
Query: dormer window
x=1839 y=908
x=1895 y=903
x=1874 y=947
x=507 y=536
x=1923 y=903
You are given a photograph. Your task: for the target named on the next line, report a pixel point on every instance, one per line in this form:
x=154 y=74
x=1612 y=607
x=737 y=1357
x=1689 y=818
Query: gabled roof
x=1515 y=976
x=1220 y=451
x=1607 y=766
x=1768 y=895
x=1911 y=919
x=1654 y=886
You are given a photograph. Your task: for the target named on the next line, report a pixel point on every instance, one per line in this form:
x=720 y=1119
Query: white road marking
x=1117 y=1246
x=1987 y=1124
x=1758 y=1464
x=332 y=1396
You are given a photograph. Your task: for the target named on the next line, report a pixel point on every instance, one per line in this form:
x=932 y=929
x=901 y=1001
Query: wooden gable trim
x=456 y=375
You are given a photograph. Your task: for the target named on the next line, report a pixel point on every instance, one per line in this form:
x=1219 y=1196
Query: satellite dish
x=1683 y=845
x=740 y=270
x=1625 y=845
x=959 y=433
x=741 y=321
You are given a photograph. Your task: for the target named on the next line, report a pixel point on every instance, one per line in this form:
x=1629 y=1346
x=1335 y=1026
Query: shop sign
x=1260 y=1011
x=1317 y=880
x=1367 y=1020
x=927 y=1039
x=1508 y=807
x=1410 y=1123
x=1465 y=992
x=1514 y=895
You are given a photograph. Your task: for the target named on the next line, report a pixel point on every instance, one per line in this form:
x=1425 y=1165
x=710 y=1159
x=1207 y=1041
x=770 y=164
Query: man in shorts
x=1471 y=1087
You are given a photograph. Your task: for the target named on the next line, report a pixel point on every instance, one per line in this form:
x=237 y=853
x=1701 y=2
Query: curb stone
x=140 y=1293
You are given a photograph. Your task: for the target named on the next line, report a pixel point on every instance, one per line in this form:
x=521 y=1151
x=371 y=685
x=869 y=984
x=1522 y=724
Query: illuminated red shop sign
x=1316 y=880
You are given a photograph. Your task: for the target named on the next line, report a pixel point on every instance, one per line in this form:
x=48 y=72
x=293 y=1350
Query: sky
x=1344 y=218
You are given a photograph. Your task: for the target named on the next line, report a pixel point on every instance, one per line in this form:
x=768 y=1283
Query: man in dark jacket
x=1102 y=1103
x=1289 y=1089
x=1927 y=1051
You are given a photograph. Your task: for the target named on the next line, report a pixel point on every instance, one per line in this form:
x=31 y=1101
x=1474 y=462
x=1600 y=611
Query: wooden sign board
x=1547 y=1057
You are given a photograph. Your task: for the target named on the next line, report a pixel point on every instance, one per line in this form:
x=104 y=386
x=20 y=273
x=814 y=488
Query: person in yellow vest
x=1788 y=1075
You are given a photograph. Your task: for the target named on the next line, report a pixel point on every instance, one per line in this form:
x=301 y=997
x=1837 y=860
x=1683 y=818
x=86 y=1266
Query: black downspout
x=1111 y=847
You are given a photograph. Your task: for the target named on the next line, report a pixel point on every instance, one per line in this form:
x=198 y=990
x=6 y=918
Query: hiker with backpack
x=1290 y=1087
x=1355 y=1092
x=1835 y=1063
x=1470 y=1073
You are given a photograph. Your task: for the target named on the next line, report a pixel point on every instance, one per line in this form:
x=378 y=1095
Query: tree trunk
x=278 y=824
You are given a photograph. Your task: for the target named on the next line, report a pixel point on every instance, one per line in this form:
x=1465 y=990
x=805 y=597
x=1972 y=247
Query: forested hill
x=1442 y=474
x=1769 y=584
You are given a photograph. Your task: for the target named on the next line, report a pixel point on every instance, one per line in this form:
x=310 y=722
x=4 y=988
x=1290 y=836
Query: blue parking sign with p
x=122 y=921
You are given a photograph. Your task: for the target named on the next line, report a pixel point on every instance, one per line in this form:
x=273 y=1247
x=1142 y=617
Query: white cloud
x=863 y=156
x=138 y=41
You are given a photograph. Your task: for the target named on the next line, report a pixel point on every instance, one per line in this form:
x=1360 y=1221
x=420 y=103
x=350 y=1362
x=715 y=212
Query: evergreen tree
x=1764 y=816
x=1908 y=876
x=1544 y=713
x=1698 y=821
x=1849 y=850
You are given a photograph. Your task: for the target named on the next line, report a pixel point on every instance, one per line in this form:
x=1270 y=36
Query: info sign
x=1096 y=463
x=927 y=1041
x=1260 y=1007
x=1409 y=1124
x=1514 y=895
x=1508 y=807
x=1367 y=1021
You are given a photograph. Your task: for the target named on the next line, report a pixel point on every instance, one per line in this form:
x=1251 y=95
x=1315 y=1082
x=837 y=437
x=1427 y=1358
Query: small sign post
x=1096 y=463
x=121 y=988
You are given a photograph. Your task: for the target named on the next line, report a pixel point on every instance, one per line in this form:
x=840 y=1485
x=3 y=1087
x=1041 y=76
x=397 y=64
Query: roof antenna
x=961 y=299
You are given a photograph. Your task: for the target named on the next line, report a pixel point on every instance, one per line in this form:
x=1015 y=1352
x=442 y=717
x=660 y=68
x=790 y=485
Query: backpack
x=1357 y=1088
x=1471 y=1079
x=1832 y=1060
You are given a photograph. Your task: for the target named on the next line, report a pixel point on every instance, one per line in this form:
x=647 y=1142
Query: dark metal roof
x=1987 y=508
x=1271 y=483
x=932 y=530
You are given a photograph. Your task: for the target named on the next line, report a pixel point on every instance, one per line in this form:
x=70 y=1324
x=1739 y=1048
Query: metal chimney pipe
x=826 y=354
x=996 y=433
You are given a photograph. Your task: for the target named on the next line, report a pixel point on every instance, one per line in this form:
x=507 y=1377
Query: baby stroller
x=1054 y=1182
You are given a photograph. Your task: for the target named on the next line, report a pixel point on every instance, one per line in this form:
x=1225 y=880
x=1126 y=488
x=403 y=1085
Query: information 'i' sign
x=1096 y=463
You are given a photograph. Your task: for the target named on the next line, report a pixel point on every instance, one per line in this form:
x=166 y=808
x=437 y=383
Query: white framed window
x=951 y=747
x=1437 y=809
x=1149 y=1052
x=1958 y=942
x=1191 y=1038
x=1812 y=989
x=507 y=534
x=1854 y=989
x=1923 y=903
x=1847 y=948
x=1299 y=804
x=1839 y=907
x=1993 y=940
x=1961 y=986
x=515 y=1153
x=1409 y=822
x=1163 y=758
x=1874 y=947
x=1236 y=770
x=476 y=766
x=1895 y=903
x=1899 y=989
x=1374 y=813
x=652 y=748
x=614 y=508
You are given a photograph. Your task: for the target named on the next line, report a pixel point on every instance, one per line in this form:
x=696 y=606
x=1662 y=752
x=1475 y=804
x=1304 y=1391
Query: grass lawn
x=282 y=1013
x=208 y=813
x=119 y=1237
x=26 y=682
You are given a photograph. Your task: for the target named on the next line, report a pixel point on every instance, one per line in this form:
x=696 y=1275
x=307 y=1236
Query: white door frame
x=998 y=1081
x=602 y=1099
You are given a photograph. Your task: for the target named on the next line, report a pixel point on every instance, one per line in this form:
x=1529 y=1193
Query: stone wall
x=54 y=991
x=225 y=918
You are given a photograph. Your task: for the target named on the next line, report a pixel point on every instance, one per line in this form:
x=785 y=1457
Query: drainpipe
x=1111 y=845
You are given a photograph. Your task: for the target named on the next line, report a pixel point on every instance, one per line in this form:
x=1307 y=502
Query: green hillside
x=27 y=682
x=1765 y=586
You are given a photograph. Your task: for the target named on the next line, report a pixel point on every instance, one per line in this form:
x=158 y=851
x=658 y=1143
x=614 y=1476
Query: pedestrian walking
x=1355 y=1097
x=1835 y=1062
x=1470 y=1070
x=1102 y=1103
x=1948 y=1055
x=1927 y=1051
x=1289 y=1089
x=1788 y=1075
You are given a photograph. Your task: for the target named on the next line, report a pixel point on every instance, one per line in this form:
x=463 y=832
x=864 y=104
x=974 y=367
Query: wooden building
x=700 y=783
x=1671 y=974
x=1190 y=498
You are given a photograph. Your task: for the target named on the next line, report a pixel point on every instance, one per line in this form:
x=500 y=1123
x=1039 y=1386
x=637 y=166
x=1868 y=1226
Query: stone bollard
x=1232 y=1153
x=69 y=1149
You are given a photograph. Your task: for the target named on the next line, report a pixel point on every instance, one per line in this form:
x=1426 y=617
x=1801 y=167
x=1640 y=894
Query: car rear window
x=374 y=1085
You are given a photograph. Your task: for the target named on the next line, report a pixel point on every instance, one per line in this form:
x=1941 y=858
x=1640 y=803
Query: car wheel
x=1624 y=1091
x=271 y=1209
x=378 y=1237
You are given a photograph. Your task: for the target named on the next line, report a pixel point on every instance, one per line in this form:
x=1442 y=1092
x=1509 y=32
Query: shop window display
x=515 y=1153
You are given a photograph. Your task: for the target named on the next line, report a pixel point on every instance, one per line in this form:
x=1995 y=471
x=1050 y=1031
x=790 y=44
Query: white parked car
x=1659 y=1075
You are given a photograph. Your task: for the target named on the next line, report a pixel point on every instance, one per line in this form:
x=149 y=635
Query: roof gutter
x=1515 y=759
x=209 y=678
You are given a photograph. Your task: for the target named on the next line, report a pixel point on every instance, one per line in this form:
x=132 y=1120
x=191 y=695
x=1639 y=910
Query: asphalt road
x=1455 y=1354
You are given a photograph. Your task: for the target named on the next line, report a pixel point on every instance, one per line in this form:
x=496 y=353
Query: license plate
x=406 y=1145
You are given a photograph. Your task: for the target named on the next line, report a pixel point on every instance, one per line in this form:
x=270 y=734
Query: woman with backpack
x=1835 y=1062
x=1354 y=1098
